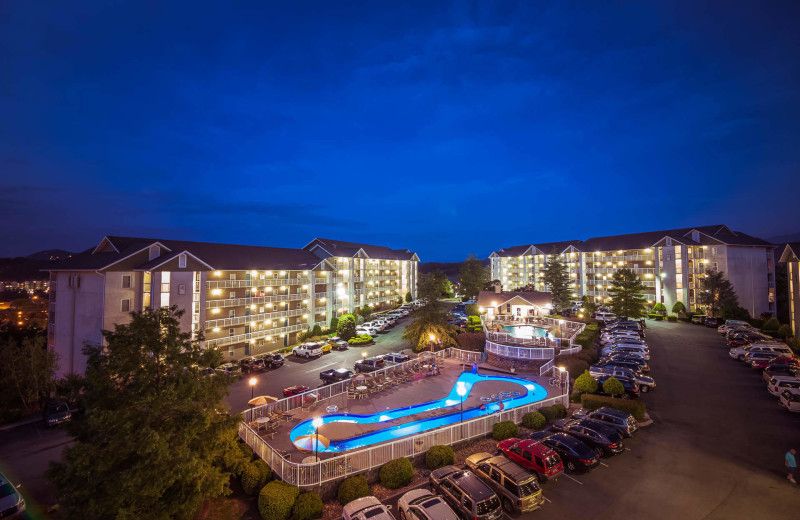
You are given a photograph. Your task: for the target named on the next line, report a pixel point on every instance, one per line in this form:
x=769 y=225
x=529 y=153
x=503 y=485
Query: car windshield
x=551 y=461
x=58 y=408
x=6 y=490
x=488 y=505
x=528 y=488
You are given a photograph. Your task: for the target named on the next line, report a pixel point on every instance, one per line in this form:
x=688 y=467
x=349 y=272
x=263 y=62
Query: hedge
x=687 y=319
x=505 y=430
x=551 y=413
x=276 y=500
x=533 y=420
x=635 y=408
x=352 y=488
x=659 y=317
x=439 y=457
x=575 y=397
x=307 y=506
x=396 y=473
x=672 y=317
x=652 y=315
x=361 y=339
x=255 y=476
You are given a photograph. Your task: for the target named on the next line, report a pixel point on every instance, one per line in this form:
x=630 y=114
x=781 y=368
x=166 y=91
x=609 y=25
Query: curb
x=647 y=421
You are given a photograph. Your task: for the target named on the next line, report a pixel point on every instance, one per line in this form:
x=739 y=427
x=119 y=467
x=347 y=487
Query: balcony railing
x=256 y=300
x=241 y=338
x=269 y=282
x=244 y=320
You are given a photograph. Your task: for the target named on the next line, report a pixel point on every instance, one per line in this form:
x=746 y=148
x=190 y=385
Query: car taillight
x=519 y=503
x=612 y=445
x=585 y=461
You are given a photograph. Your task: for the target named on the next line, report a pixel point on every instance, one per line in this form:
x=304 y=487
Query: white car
x=777 y=384
x=366 y=507
x=733 y=324
x=421 y=504
x=740 y=352
x=307 y=350
x=11 y=502
x=790 y=399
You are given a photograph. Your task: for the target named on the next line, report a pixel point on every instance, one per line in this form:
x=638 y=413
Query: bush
x=687 y=319
x=659 y=317
x=254 y=478
x=613 y=386
x=794 y=344
x=771 y=326
x=307 y=506
x=276 y=500
x=396 y=473
x=504 y=430
x=561 y=410
x=439 y=457
x=574 y=365
x=316 y=331
x=659 y=307
x=352 y=488
x=575 y=397
x=678 y=307
x=334 y=324
x=473 y=341
x=551 y=413
x=474 y=324
x=785 y=331
x=652 y=315
x=346 y=327
x=533 y=420
x=472 y=310
x=635 y=408
x=362 y=339
x=672 y=317
x=585 y=383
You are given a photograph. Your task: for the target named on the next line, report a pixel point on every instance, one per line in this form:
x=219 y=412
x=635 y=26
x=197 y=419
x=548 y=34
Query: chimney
x=498 y=288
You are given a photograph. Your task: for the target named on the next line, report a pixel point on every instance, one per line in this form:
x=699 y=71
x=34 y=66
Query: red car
x=761 y=364
x=294 y=390
x=533 y=456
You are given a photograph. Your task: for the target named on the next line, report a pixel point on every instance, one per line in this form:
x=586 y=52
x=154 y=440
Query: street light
x=364 y=354
x=253 y=382
x=461 y=390
x=561 y=379
x=316 y=423
x=432 y=338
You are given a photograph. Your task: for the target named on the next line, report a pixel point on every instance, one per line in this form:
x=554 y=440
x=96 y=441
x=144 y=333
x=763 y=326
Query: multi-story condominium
x=670 y=264
x=791 y=255
x=245 y=299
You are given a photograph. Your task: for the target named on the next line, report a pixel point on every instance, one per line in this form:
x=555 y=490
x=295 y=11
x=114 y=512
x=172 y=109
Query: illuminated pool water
x=529 y=392
x=527 y=331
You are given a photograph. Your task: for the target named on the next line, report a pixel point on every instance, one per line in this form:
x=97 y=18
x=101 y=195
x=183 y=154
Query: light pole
x=316 y=423
x=461 y=390
x=432 y=338
x=253 y=382
x=562 y=381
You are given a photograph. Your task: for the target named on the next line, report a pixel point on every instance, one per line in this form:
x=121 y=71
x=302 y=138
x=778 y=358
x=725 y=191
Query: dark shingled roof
x=512 y=251
x=486 y=298
x=547 y=247
x=349 y=249
x=223 y=257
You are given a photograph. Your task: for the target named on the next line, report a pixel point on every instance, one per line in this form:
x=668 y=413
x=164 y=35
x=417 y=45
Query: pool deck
x=421 y=390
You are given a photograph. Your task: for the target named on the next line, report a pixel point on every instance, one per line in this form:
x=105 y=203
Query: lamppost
x=562 y=380
x=432 y=339
x=461 y=390
x=253 y=382
x=316 y=423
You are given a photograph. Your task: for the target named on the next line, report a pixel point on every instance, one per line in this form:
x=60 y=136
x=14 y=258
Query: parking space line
x=573 y=479
x=604 y=464
x=319 y=369
x=548 y=500
x=628 y=449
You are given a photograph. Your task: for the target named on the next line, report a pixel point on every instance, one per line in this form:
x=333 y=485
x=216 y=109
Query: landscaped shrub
x=672 y=317
x=561 y=410
x=253 y=479
x=439 y=457
x=678 y=307
x=307 y=506
x=652 y=315
x=575 y=397
x=504 y=430
x=659 y=307
x=533 y=420
x=361 y=339
x=396 y=473
x=613 y=386
x=635 y=408
x=794 y=344
x=687 y=319
x=474 y=324
x=352 y=488
x=659 y=317
x=549 y=413
x=771 y=326
x=472 y=309
x=346 y=327
x=585 y=383
x=785 y=331
x=276 y=500
x=574 y=365
x=474 y=341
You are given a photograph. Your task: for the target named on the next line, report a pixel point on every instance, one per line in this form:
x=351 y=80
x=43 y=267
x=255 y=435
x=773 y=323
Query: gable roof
x=495 y=299
x=513 y=251
x=351 y=249
x=791 y=252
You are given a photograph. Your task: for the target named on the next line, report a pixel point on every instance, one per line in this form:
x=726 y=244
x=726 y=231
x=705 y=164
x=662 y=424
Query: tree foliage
x=613 y=386
x=156 y=440
x=585 y=383
x=716 y=292
x=556 y=278
x=472 y=277
x=409 y=298
x=365 y=312
x=346 y=328
x=678 y=307
x=26 y=368
x=431 y=318
x=588 y=305
x=627 y=294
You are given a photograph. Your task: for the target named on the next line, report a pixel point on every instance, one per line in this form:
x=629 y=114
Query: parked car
x=294 y=390
x=11 y=502
x=698 y=319
x=605 y=440
x=325 y=346
x=626 y=349
x=252 y=364
x=733 y=324
x=533 y=456
x=622 y=357
x=622 y=421
x=630 y=385
x=421 y=504
x=713 y=322
x=518 y=490
x=231 y=369
x=307 y=350
x=338 y=343
x=646 y=383
x=369 y=364
x=208 y=371
x=740 y=353
x=396 y=357
x=575 y=455
x=780 y=370
x=469 y=497
x=777 y=384
x=55 y=412
x=761 y=356
x=366 y=508
x=761 y=364
x=630 y=365
x=335 y=375
x=790 y=399
x=277 y=360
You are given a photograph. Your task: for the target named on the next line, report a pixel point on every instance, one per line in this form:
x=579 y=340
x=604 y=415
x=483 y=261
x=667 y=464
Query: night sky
x=448 y=129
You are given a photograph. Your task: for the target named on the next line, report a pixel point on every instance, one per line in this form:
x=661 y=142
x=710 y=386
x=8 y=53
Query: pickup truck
x=307 y=350
x=335 y=375
x=369 y=364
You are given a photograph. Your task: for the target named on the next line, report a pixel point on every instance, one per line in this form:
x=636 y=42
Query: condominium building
x=670 y=264
x=791 y=255
x=245 y=299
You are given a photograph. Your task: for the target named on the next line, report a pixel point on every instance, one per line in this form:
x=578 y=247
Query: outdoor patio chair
x=280 y=414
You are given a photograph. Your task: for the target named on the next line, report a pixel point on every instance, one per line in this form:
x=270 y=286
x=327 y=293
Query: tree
x=735 y=313
x=556 y=278
x=365 y=312
x=716 y=292
x=627 y=295
x=346 y=328
x=27 y=368
x=659 y=307
x=431 y=318
x=439 y=281
x=334 y=323
x=472 y=309
x=613 y=386
x=585 y=383
x=678 y=307
x=588 y=305
x=472 y=277
x=409 y=298
x=156 y=441
x=491 y=285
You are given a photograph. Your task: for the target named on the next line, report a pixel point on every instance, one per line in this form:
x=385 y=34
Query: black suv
x=56 y=411
x=469 y=497
x=630 y=385
x=605 y=440
x=577 y=456
x=622 y=421
x=271 y=360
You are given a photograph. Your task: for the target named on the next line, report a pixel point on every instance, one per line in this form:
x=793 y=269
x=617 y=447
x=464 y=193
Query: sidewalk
x=22 y=422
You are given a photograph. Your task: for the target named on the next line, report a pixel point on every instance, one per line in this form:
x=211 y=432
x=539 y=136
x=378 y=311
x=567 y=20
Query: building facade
x=669 y=263
x=791 y=255
x=245 y=299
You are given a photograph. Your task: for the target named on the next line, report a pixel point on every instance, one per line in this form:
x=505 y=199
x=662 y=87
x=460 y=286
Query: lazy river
x=528 y=392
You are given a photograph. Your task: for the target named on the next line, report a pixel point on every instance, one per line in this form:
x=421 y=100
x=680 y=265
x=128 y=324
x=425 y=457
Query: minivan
x=466 y=493
x=518 y=490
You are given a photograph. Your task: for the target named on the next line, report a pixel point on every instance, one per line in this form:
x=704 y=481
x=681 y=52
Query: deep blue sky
x=448 y=129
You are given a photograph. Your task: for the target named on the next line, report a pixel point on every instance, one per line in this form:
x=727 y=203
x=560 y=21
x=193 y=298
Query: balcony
x=241 y=338
x=257 y=300
x=270 y=282
x=244 y=320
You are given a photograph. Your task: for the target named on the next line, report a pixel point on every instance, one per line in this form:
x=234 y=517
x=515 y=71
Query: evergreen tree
x=556 y=278
x=472 y=277
x=716 y=292
x=627 y=294
x=431 y=318
x=346 y=327
x=155 y=441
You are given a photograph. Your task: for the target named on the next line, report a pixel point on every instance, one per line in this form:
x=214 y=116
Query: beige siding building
x=791 y=255
x=245 y=299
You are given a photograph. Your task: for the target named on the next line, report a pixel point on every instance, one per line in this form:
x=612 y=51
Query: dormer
x=695 y=236
x=153 y=252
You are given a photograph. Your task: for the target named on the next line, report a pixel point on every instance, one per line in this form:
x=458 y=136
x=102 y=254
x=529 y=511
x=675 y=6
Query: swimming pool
x=527 y=331
x=529 y=392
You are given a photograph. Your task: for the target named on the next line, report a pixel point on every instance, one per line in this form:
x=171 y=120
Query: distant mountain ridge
x=50 y=254
x=782 y=239
x=450 y=269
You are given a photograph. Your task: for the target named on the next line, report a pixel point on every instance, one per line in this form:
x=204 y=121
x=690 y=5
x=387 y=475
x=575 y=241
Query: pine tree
x=716 y=292
x=556 y=278
x=627 y=295
x=472 y=277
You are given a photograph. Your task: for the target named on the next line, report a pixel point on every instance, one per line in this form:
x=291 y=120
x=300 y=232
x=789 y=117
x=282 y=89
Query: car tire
x=507 y=507
x=402 y=515
x=644 y=389
x=571 y=466
x=599 y=451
